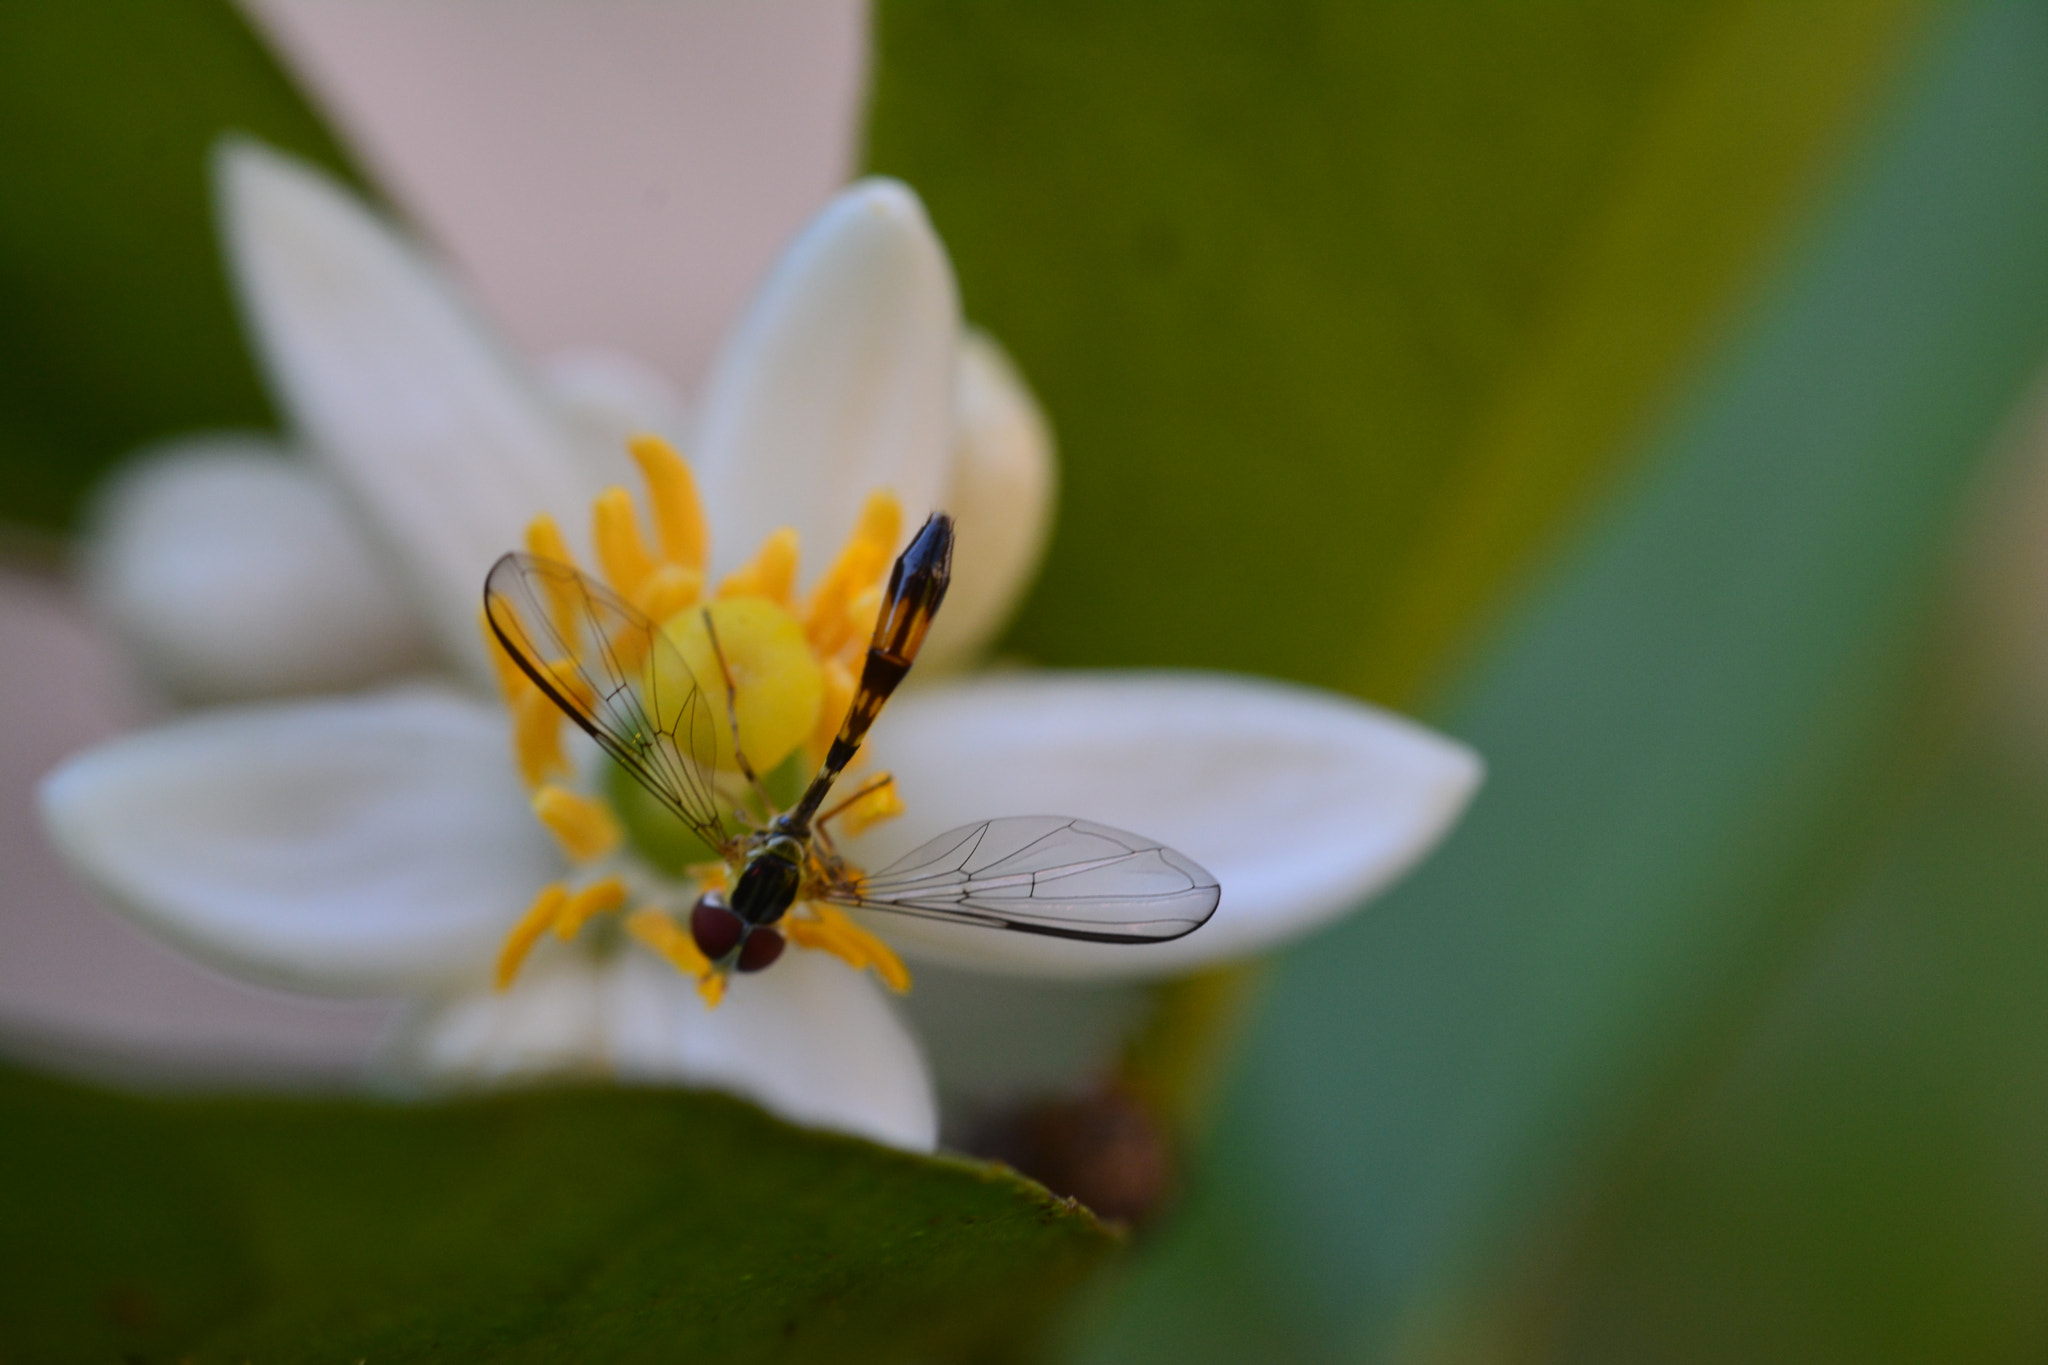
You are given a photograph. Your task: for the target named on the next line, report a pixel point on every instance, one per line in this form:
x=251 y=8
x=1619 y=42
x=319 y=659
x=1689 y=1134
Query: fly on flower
x=616 y=673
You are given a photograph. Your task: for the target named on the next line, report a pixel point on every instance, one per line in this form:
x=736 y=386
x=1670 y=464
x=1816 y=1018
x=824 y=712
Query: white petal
x=370 y=845
x=837 y=382
x=1302 y=803
x=603 y=398
x=232 y=570
x=549 y=1024
x=444 y=442
x=1000 y=490
x=808 y=1040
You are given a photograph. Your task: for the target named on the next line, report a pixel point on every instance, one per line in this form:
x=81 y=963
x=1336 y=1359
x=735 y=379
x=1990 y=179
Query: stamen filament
x=672 y=492
x=621 y=553
x=537 y=737
x=830 y=931
x=664 y=936
x=598 y=898
x=839 y=688
x=512 y=683
x=537 y=920
x=544 y=541
x=586 y=829
x=771 y=574
x=669 y=589
x=827 y=621
x=876 y=801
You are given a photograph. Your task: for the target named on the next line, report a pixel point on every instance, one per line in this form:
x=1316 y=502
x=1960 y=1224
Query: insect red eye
x=763 y=946
x=715 y=927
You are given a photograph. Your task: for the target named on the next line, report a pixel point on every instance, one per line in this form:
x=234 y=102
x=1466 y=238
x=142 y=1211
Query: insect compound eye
x=715 y=927
x=763 y=946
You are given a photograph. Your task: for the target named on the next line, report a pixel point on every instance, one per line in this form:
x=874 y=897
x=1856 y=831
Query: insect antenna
x=917 y=584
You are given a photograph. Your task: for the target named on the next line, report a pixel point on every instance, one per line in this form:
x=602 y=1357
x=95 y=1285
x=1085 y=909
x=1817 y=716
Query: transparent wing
x=1045 y=874
x=610 y=669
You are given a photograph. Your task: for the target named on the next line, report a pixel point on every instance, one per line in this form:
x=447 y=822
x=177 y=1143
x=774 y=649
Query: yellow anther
x=828 y=930
x=598 y=898
x=859 y=567
x=538 y=919
x=771 y=573
x=708 y=876
x=512 y=684
x=838 y=695
x=585 y=829
x=664 y=936
x=862 y=612
x=878 y=803
x=672 y=491
x=569 y=676
x=669 y=589
x=537 y=737
x=544 y=541
x=621 y=553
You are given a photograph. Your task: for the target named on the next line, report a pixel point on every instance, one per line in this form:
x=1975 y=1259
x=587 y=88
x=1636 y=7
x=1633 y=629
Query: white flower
x=383 y=843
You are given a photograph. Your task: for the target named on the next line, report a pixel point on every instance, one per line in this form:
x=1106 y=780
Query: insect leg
x=732 y=715
x=867 y=788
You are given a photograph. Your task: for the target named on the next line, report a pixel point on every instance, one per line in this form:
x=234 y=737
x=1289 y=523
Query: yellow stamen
x=862 y=612
x=771 y=574
x=859 y=567
x=539 y=917
x=830 y=931
x=708 y=876
x=669 y=589
x=512 y=684
x=544 y=541
x=598 y=898
x=621 y=553
x=878 y=803
x=839 y=686
x=664 y=936
x=537 y=737
x=585 y=829
x=672 y=491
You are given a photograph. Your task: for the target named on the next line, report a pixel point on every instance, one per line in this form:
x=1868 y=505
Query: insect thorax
x=769 y=878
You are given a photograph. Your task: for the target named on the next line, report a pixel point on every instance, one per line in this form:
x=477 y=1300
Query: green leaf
x=540 y=1226
x=1853 y=1173
x=1339 y=309
x=1699 y=703
x=117 y=327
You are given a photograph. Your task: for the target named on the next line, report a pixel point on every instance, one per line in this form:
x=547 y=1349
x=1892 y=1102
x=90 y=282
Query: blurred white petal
x=233 y=570
x=811 y=1040
x=1302 y=803
x=438 y=435
x=1000 y=489
x=603 y=398
x=838 y=381
x=549 y=1024
x=368 y=846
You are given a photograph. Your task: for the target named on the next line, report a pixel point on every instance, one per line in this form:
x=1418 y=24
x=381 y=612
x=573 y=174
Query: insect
x=615 y=673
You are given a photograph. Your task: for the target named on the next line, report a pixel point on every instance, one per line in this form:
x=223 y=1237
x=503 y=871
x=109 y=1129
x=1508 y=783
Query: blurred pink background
x=610 y=173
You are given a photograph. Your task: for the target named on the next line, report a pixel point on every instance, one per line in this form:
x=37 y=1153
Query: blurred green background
x=1623 y=388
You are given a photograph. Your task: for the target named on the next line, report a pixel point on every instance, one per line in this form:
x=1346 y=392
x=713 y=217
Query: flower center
x=778 y=686
x=791 y=665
